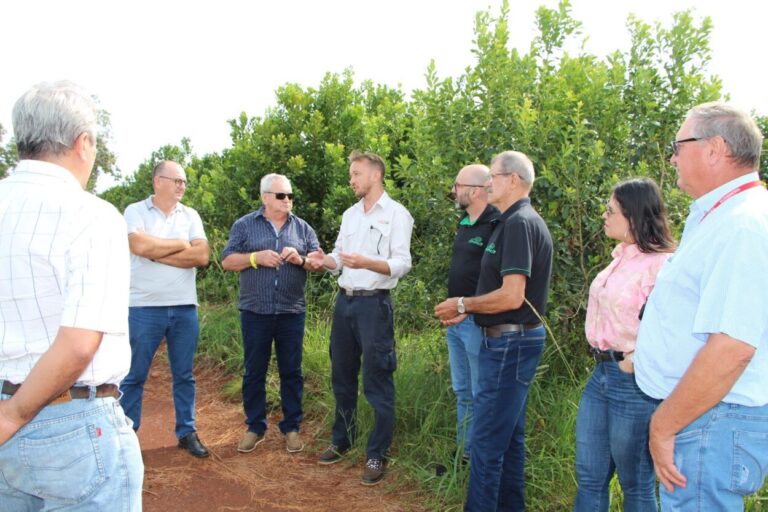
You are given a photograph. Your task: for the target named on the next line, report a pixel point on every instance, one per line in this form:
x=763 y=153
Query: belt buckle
x=348 y=292
x=61 y=399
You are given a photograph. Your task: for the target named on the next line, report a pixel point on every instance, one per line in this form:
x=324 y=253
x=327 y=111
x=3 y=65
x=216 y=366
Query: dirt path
x=269 y=479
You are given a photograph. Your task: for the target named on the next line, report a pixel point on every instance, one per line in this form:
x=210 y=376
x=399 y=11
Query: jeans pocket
x=750 y=461
x=528 y=355
x=66 y=467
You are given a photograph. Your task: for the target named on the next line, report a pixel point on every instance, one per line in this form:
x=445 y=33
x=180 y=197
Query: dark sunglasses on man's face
x=282 y=195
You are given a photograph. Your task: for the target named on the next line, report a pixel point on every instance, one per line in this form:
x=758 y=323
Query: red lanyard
x=736 y=191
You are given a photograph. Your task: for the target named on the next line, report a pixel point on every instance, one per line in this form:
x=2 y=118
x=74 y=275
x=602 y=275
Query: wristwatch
x=460 y=307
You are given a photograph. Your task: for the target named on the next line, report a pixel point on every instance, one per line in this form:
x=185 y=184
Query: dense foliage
x=586 y=122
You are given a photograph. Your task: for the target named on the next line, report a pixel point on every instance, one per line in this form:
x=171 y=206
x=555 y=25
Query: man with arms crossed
x=65 y=442
x=167 y=242
x=464 y=336
x=269 y=248
x=372 y=251
x=703 y=342
x=511 y=298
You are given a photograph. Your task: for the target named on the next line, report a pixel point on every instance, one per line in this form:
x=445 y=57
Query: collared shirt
x=716 y=282
x=383 y=233
x=468 y=247
x=63 y=262
x=267 y=290
x=520 y=244
x=154 y=283
x=617 y=294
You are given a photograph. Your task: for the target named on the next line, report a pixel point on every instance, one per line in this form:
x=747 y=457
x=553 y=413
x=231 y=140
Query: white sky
x=169 y=69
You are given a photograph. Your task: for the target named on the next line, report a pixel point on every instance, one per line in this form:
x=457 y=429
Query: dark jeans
x=287 y=330
x=148 y=326
x=507 y=367
x=363 y=326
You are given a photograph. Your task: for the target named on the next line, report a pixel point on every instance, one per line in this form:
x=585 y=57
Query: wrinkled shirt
x=617 y=294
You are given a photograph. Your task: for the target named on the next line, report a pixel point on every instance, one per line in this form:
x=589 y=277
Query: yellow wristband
x=253 y=260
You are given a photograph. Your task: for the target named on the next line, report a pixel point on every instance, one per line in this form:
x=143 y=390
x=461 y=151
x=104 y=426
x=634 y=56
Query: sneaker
x=249 y=442
x=293 y=442
x=332 y=455
x=373 y=472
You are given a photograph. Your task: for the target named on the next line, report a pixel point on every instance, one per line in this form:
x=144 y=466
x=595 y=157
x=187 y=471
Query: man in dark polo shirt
x=463 y=335
x=511 y=296
x=269 y=247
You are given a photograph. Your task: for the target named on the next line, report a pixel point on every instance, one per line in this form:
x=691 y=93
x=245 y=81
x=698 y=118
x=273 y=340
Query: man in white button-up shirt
x=64 y=439
x=372 y=252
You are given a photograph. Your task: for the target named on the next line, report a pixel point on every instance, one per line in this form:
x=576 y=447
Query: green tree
x=8 y=154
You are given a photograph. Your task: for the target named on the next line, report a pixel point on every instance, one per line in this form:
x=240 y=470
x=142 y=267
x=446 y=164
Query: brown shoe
x=332 y=455
x=373 y=473
x=293 y=442
x=249 y=442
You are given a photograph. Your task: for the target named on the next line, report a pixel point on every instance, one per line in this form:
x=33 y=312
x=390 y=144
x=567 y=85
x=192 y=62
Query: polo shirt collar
x=260 y=213
x=488 y=215
x=150 y=205
x=515 y=207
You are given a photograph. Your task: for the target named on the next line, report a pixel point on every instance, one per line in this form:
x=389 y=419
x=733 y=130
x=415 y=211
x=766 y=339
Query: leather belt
x=495 y=331
x=602 y=356
x=73 y=393
x=362 y=293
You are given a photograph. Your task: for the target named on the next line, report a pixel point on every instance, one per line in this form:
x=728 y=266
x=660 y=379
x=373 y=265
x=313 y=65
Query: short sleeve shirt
x=157 y=284
x=520 y=244
x=468 y=247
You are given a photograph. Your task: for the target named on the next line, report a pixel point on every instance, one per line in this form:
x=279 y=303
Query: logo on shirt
x=478 y=241
x=491 y=248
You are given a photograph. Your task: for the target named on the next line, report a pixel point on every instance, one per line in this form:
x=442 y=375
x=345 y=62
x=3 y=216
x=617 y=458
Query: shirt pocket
x=377 y=241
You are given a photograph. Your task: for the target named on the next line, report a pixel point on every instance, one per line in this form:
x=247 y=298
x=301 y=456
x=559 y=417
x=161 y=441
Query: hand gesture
x=448 y=310
x=315 y=259
x=268 y=258
x=291 y=255
x=353 y=260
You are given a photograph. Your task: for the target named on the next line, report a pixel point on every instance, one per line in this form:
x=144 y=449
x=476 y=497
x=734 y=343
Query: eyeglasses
x=282 y=195
x=676 y=144
x=457 y=185
x=494 y=174
x=178 y=181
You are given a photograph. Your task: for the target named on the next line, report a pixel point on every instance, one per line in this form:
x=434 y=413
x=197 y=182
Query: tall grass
x=426 y=411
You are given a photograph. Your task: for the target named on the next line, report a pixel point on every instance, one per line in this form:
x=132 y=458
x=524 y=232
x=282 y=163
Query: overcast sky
x=169 y=69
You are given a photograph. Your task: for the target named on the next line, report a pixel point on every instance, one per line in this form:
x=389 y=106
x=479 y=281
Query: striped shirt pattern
x=63 y=262
x=268 y=291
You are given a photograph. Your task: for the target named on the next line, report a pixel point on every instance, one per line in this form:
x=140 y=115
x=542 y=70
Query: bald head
x=473 y=174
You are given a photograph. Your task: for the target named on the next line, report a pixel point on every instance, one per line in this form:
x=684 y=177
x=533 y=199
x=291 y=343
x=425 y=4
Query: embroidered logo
x=491 y=248
x=478 y=241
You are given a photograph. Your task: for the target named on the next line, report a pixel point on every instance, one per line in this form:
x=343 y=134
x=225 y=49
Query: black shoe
x=332 y=454
x=192 y=444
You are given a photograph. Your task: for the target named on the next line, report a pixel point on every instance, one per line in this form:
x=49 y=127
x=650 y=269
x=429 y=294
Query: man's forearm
x=379 y=266
x=710 y=377
x=196 y=256
x=55 y=372
x=154 y=248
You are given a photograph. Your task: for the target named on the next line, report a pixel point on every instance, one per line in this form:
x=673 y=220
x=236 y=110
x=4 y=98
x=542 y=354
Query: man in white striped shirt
x=64 y=273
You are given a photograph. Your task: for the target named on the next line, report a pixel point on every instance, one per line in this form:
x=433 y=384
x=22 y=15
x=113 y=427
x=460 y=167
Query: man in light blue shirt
x=703 y=342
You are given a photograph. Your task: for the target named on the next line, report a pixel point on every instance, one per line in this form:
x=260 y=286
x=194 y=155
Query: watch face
x=460 y=307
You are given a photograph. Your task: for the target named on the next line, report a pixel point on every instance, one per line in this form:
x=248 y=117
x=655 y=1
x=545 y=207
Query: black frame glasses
x=178 y=181
x=282 y=195
x=676 y=144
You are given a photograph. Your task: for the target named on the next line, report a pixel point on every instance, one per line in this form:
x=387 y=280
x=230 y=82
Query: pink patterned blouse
x=616 y=296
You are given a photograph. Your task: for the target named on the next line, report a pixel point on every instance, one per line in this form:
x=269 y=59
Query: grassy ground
x=425 y=430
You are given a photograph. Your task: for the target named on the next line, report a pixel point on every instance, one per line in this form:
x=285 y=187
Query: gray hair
x=163 y=165
x=266 y=182
x=515 y=162
x=739 y=130
x=49 y=117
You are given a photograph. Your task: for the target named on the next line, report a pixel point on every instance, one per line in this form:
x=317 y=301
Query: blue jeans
x=612 y=435
x=363 y=326
x=79 y=455
x=497 y=470
x=287 y=330
x=464 y=342
x=147 y=327
x=724 y=456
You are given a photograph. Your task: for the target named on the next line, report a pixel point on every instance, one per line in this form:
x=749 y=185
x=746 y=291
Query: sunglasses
x=282 y=195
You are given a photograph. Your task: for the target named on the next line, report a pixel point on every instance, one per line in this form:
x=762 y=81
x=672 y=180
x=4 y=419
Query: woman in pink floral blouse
x=612 y=423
